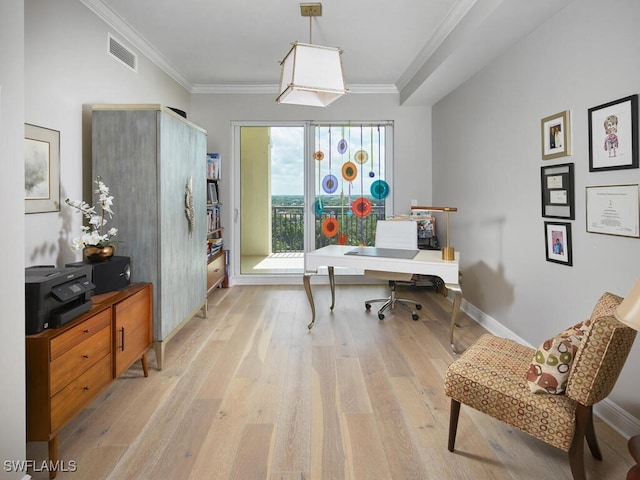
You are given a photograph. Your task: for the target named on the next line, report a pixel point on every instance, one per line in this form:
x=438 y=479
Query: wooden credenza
x=68 y=367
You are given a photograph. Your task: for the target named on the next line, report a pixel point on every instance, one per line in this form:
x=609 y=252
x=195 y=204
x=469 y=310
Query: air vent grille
x=122 y=53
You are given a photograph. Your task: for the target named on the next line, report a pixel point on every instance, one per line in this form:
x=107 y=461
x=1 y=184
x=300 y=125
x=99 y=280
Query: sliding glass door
x=301 y=186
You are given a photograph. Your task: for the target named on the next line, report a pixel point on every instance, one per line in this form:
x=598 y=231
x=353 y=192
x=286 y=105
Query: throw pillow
x=551 y=364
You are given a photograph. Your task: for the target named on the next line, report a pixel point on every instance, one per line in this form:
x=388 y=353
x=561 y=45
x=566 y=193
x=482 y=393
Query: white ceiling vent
x=122 y=53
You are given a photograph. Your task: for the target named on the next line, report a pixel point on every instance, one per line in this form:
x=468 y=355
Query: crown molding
x=136 y=40
x=131 y=36
x=457 y=13
x=272 y=89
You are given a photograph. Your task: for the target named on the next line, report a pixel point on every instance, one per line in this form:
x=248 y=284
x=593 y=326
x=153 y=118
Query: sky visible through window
x=362 y=147
x=287 y=156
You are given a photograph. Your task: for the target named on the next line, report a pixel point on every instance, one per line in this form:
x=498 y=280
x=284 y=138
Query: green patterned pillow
x=551 y=364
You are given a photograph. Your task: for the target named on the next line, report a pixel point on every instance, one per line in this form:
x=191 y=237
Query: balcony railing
x=287 y=227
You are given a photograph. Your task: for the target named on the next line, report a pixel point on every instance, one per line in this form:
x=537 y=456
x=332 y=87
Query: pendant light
x=311 y=74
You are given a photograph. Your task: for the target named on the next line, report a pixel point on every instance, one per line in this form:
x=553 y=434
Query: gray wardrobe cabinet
x=148 y=156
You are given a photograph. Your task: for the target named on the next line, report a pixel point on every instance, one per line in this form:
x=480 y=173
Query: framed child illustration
x=613 y=135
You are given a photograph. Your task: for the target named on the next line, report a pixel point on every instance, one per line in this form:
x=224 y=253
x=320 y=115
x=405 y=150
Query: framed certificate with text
x=613 y=210
x=557 y=191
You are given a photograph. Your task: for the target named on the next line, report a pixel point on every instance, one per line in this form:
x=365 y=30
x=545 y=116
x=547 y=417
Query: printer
x=55 y=296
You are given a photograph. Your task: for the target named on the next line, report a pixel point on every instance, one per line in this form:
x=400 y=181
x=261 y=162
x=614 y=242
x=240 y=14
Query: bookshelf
x=216 y=254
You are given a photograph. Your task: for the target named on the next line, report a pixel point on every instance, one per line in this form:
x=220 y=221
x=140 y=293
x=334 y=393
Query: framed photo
x=613 y=135
x=557 y=237
x=557 y=191
x=556 y=135
x=613 y=210
x=41 y=169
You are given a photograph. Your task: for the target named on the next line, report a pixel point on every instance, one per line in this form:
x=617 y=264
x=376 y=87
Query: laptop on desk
x=382 y=252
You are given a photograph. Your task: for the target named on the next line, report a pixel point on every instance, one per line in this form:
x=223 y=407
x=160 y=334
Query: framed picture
x=41 y=169
x=557 y=237
x=613 y=135
x=557 y=191
x=556 y=135
x=613 y=210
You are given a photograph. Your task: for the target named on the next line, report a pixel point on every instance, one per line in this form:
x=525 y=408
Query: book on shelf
x=213 y=166
x=213 y=218
x=212 y=192
x=214 y=246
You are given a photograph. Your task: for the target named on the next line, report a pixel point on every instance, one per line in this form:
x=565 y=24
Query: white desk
x=426 y=262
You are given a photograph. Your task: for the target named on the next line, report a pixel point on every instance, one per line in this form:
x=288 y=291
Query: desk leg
x=457 y=299
x=332 y=282
x=306 y=280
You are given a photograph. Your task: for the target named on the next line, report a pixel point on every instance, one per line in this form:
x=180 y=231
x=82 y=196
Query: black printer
x=55 y=296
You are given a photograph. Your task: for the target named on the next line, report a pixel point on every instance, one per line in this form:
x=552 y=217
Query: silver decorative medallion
x=188 y=205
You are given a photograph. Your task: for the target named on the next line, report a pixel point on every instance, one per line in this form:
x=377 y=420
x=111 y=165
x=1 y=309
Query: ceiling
x=421 y=49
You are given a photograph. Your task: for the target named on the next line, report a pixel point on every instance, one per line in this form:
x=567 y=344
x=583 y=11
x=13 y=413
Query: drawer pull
x=86 y=355
x=122 y=337
x=85 y=388
x=86 y=330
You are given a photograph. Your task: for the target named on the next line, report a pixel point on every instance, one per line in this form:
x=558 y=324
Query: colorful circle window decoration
x=330 y=226
x=379 y=189
x=361 y=207
x=349 y=171
x=318 y=207
x=372 y=174
x=319 y=155
x=342 y=239
x=342 y=146
x=330 y=183
x=361 y=156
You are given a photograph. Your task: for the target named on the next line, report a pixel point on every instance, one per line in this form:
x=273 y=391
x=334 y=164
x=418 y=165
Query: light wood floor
x=249 y=393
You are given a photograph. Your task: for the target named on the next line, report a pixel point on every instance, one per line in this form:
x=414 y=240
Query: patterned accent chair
x=491 y=377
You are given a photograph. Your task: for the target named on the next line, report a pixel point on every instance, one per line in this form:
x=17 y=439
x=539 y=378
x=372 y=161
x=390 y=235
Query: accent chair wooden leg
x=592 y=441
x=453 y=423
x=576 y=451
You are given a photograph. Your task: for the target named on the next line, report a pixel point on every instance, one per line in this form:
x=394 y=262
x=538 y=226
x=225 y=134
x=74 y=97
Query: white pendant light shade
x=311 y=75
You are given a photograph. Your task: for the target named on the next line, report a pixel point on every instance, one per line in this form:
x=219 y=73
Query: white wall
x=12 y=397
x=487 y=159
x=412 y=150
x=68 y=69
x=53 y=65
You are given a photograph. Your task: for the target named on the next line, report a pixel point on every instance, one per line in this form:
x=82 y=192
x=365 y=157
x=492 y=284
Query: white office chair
x=398 y=234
